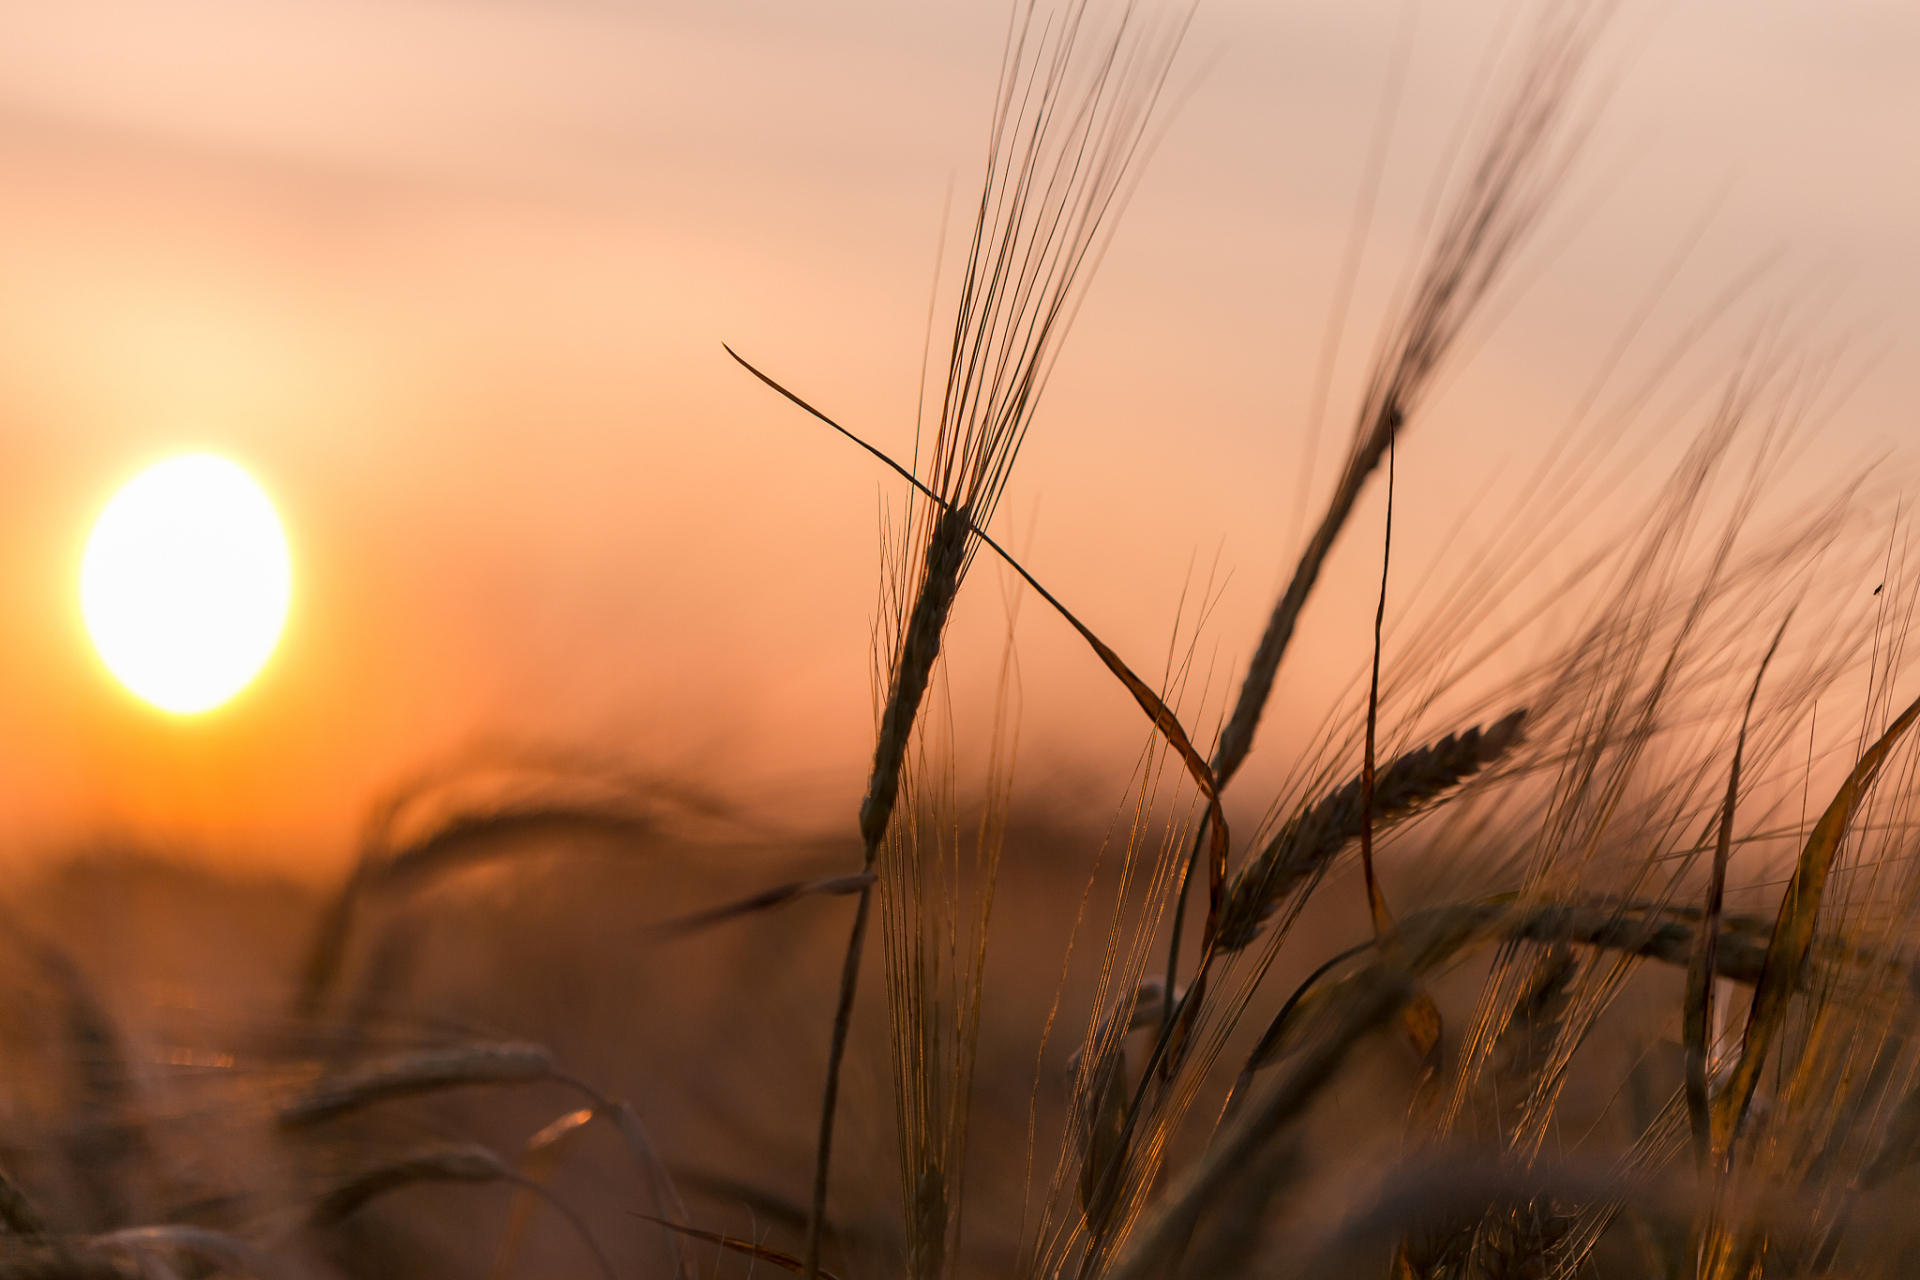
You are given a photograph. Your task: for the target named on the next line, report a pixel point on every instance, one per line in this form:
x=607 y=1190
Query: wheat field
x=1570 y=934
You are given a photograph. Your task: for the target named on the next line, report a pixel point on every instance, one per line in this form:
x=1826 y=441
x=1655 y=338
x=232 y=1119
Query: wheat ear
x=1306 y=845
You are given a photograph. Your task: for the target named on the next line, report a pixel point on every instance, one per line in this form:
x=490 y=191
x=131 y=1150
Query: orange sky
x=451 y=277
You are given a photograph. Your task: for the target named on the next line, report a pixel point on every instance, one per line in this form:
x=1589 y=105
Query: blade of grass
x=538 y=1163
x=765 y=900
x=1376 y=996
x=1793 y=936
x=1420 y=1016
x=758 y=1252
x=1698 y=1026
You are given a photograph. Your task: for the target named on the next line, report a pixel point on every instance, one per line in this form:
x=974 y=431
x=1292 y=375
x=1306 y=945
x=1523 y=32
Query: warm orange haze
x=1079 y=640
x=453 y=279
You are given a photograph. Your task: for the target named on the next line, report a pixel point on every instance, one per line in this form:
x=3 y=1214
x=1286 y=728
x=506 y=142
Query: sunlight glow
x=185 y=582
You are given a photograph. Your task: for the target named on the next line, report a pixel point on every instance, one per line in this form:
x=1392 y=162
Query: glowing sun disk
x=185 y=582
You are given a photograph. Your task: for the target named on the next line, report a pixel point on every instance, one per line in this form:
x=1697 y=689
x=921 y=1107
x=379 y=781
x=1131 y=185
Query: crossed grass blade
x=1165 y=722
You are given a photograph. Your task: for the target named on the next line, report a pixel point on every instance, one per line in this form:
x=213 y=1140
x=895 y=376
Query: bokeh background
x=452 y=278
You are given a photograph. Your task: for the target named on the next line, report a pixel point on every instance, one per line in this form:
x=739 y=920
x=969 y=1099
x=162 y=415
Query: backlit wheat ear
x=765 y=900
x=1666 y=934
x=1523 y=158
x=466 y=1163
x=1307 y=845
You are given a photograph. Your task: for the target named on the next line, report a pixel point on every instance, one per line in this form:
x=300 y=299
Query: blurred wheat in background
x=1571 y=936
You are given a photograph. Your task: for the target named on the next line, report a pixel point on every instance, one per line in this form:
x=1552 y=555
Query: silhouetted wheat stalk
x=1070 y=115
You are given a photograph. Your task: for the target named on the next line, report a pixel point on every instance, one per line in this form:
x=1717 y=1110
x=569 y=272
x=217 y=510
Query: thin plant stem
x=1375 y=902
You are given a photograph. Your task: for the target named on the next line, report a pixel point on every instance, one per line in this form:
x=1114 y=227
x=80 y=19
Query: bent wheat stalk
x=465 y=1163
x=432 y=1070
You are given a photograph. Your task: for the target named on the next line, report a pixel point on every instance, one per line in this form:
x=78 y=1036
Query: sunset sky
x=451 y=277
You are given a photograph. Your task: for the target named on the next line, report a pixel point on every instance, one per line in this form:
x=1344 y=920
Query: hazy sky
x=451 y=277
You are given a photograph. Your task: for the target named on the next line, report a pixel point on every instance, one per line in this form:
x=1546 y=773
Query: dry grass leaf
x=1793 y=934
x=758 y=1252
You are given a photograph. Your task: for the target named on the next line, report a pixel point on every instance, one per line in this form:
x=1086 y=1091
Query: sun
x=185 y=582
